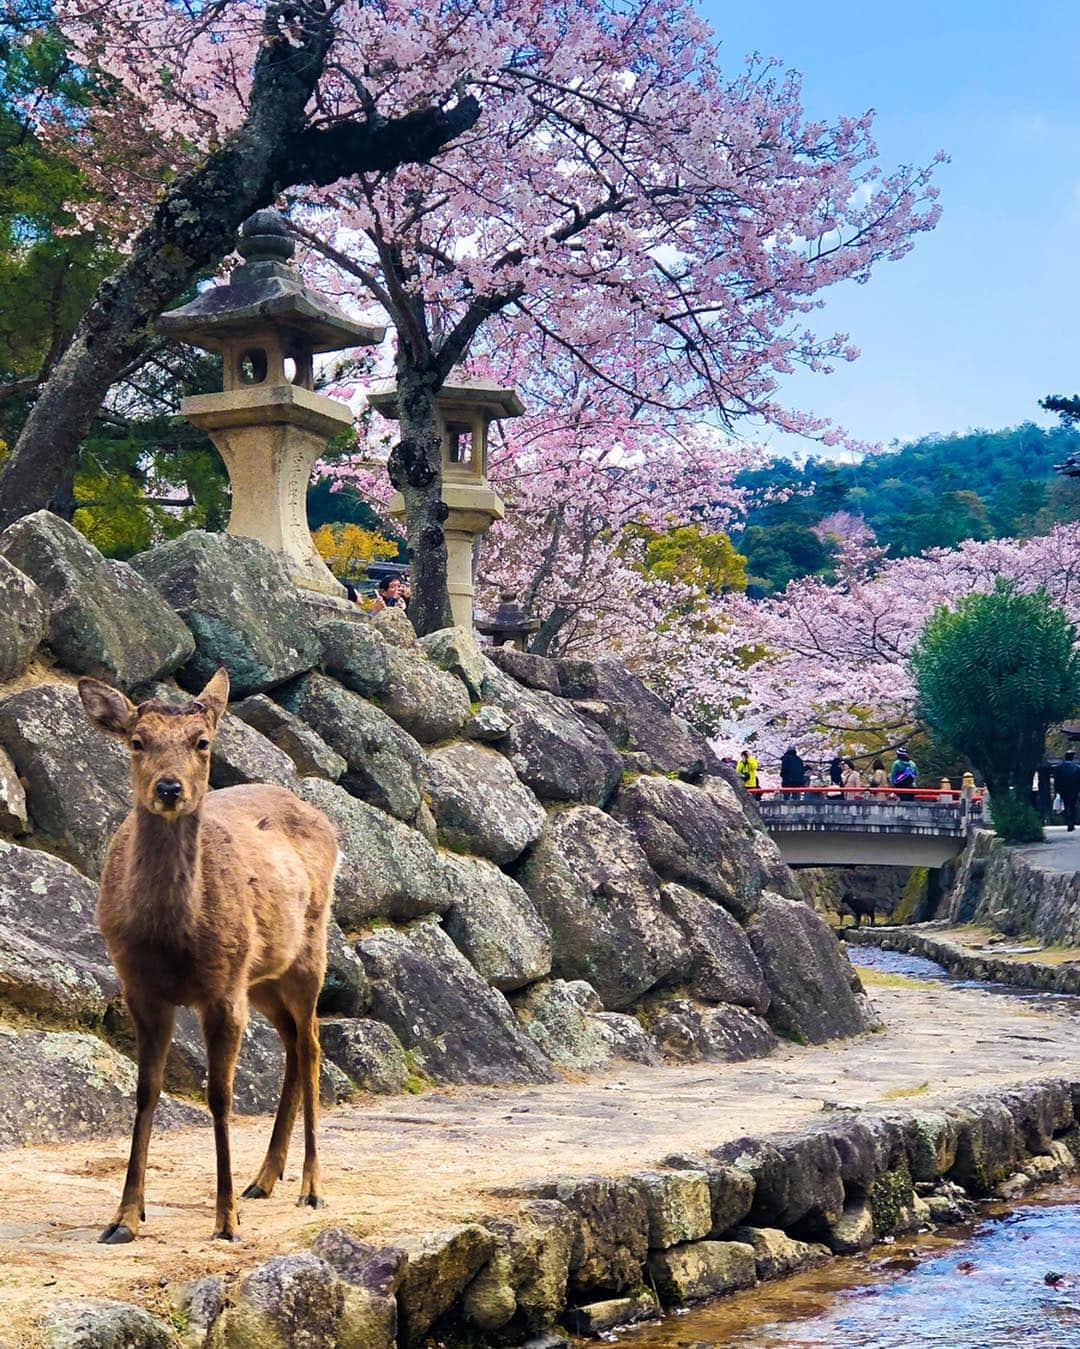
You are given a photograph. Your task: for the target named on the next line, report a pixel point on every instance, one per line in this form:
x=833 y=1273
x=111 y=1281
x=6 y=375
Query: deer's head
x=170 y=745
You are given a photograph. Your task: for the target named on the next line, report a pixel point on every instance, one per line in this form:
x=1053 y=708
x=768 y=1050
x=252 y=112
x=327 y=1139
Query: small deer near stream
x=212 y=900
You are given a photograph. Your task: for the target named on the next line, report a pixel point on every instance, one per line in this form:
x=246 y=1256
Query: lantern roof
x=265 y=290
x=459 y=389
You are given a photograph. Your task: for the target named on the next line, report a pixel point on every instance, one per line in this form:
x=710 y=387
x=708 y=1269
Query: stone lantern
x=510 y=624
x=268 y=423
x=465 y=407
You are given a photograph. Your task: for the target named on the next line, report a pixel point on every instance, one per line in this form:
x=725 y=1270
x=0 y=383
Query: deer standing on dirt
x=212 y=900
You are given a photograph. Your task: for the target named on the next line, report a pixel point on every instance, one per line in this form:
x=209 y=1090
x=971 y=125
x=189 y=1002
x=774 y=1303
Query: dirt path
x=393 y=1167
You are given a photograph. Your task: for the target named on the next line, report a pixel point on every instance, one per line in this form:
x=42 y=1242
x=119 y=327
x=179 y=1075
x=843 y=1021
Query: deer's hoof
x=226 y=1236
x=310 y=1201
x=255 y=1191
x=116 y=1234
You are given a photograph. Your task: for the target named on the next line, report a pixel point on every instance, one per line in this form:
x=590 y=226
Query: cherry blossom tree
x=200 y=112
x=828 y=664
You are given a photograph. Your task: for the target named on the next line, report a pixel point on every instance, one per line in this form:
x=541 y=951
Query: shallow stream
x=980 y=1285
x=971 y=1287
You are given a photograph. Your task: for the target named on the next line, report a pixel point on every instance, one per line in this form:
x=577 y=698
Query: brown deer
x=212 y=900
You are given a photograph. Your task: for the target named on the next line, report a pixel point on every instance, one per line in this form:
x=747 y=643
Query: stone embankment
x=963 y=954
x=544 y=870
x=1031 y=891
x=587 y=1253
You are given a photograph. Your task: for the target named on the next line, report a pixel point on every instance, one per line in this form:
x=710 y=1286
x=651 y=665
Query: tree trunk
x=195 y=225
x=415 y=469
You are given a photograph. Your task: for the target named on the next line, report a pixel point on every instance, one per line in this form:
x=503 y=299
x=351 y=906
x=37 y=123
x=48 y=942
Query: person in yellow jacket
x=747 y=769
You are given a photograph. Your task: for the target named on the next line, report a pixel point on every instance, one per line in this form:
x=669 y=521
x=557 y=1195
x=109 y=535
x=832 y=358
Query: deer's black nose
x=168 y=791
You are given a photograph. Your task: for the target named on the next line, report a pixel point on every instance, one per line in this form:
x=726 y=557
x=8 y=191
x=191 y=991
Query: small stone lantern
x=465 y=407
x=268 y=423
x=510 y=624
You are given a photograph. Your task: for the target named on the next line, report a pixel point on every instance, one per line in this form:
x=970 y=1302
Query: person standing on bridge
x=792 y=770
x=747 y=769
x=852 y=781
x=879 y=779
x=1067 y=786
x=903 y=772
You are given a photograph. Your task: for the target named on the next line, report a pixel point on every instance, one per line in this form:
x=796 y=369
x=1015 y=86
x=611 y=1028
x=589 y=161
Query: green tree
x=992 y=676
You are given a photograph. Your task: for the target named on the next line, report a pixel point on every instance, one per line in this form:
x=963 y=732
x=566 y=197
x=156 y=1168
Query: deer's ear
x=215 y=697
x=107 y=707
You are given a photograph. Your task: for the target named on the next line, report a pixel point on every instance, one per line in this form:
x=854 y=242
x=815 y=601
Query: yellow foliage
x=707 y=563
x=348 y=548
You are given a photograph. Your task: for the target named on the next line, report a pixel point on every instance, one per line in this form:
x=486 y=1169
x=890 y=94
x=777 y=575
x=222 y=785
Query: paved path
x=410 y=1164
x=1060 y=852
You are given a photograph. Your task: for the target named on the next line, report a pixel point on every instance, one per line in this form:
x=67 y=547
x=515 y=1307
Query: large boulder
x=387 y=870
x=367 y=1052
x=455 y=650
x=720 y=962
x=97 y=1323
x=559 y=1015
x=52 y=957
x=385 y=765
x=815 y=992
x=428 y=702
x=311 y=755
x=672 y=745
x=242 y=754
x=458 y=1027
x=24 y=620
x=241 y=605
x=612 y=1236
x=686 y=1031
x=692 y=837
x=56 y=1085
x=594 y=890
x=76 y=778
x=480 y=805
x=344 y=991
x=561 y=756
x=493 y=922
x=105 y=620
x=440 y=1267
x=288 y=1302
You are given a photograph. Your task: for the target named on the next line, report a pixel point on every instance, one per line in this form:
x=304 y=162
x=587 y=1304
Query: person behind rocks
x=852 y=781
x=792 y=769
x=388 y=595
x=1067 y=786
x=747 y=769
x=879 y=778
x=903 y=772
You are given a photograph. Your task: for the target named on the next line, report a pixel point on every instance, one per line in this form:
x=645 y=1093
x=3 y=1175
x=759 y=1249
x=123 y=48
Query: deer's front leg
x=223 y=1025
x=153 y=1032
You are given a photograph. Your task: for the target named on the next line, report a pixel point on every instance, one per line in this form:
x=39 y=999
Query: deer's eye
x=136 y=745
x=203 y=743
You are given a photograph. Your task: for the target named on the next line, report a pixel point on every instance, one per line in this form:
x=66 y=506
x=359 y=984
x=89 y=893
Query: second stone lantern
x=465 y=408
x=268 y=423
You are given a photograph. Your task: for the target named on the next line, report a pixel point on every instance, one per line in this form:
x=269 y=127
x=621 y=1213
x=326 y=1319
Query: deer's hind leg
x=301 y=992
x=269 y=1001
x=153 y=1033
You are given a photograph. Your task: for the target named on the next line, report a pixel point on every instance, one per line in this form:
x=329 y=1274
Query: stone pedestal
x=269 y=438
x=471 y=510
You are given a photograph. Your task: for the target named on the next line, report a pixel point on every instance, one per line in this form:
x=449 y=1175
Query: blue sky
x=982 y=318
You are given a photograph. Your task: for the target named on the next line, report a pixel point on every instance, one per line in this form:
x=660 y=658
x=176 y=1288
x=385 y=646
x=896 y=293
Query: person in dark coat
x=1067 y=786
x=792 y=770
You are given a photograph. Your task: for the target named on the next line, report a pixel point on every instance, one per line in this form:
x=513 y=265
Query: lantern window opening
x=252 y=366
x=459 y=444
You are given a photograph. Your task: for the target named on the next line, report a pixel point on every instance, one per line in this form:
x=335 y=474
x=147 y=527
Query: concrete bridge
x=822 y=827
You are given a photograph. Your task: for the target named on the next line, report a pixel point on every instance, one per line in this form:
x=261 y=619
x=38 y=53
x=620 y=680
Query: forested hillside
x=930 y=493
